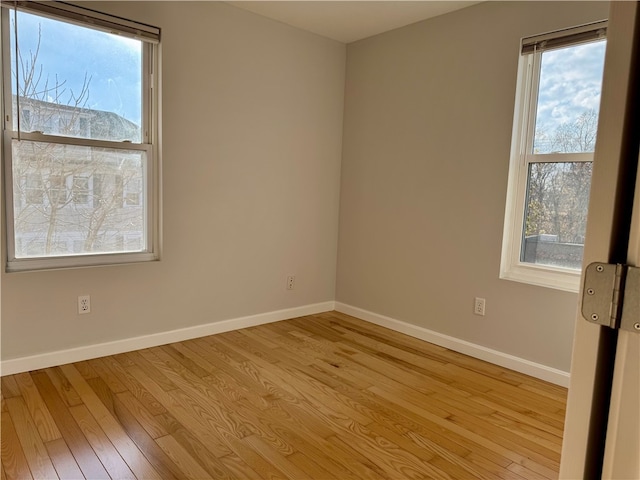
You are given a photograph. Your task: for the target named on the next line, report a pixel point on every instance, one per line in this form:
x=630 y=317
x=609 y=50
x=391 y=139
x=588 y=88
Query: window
x=80 y=126
x=57 y=191
x=33 y=189
x=133 y=192
x=80 y=189
x=553 y=140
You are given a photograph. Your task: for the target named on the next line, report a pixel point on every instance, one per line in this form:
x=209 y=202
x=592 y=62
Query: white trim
x=542 y=276
x=496 y=357
x=61 y=357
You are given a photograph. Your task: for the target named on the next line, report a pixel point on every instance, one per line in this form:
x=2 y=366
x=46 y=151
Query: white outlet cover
x=84 y=304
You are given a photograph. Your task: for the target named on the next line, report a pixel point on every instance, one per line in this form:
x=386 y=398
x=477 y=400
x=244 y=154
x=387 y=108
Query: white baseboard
x=511 y=362
x=61 y=357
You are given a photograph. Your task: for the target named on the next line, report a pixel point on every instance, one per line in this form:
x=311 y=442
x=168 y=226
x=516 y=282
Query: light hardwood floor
x=319 y=397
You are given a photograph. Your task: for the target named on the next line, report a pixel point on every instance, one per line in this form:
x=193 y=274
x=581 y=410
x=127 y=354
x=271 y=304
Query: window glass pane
x=556 y=213
x=75 y=199
x=75 y=81
x=569 y=99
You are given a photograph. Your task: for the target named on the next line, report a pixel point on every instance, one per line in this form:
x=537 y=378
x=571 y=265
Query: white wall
x=251 y=148
x=428 y=117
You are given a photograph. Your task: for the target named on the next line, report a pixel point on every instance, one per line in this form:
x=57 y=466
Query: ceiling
x=348 y=21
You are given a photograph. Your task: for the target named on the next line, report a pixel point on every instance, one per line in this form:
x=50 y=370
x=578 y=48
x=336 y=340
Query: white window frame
x=522 y=137
x=149 y=143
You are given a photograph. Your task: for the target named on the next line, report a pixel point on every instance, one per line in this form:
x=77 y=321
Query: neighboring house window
x=57 y=191
x=80 y=190
x=554 y=135
x=80 y=136
x=97 y=188
x=133 y=192
x=34 y=193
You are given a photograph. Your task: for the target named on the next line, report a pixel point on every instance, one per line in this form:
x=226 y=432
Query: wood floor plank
x=195 y=392
x=254 y=460
x=185 y=361
x=133 y=386
x=188 y=413
x=139 y=361
x=85 y=369
x=104 y=372
x=63 y=460
x=162 y=463
x=307 y=438
x=360 y=463
x=520 y=414
x=66 y=391
x=312 y=469
x=274 y=457
x=188 y=351
x=189 y=467
x=222 y=363
x=146 y=419
x=32 y=445
x=401 y=420
x=106 y=452
x=268 y=425
x=125 y=446
x=498 y=471
x=214 y=466
x=311 y=453
x=45 y=424
x=296 y=386
x=319 y=397
x=10 y=387
x=83 y=453
x=14 y=462
x=450 y=426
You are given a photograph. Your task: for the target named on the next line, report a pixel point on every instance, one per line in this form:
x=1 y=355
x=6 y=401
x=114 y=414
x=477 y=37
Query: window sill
x=71 y=261
x=543 y=276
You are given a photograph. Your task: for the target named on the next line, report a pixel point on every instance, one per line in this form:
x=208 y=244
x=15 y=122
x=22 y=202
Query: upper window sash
x=531 y=51
x=86 y=17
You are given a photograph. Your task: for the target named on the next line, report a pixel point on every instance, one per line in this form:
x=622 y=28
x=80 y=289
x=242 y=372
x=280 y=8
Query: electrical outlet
x=84 y=304
x=291 y=280
x=478 y=306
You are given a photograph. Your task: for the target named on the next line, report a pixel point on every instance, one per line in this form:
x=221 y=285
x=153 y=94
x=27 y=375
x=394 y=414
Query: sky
x=570 y=79
x=570 y=83
x=67 y=52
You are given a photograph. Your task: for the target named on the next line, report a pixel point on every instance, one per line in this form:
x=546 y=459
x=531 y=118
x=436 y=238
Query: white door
x=602 y=429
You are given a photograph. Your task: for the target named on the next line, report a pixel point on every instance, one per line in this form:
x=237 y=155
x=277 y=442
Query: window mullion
x=558 y=157
x=82 y=142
